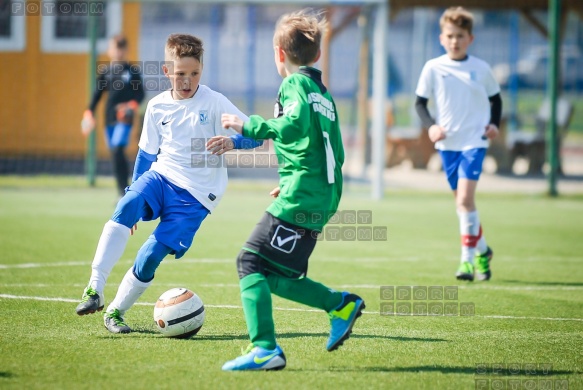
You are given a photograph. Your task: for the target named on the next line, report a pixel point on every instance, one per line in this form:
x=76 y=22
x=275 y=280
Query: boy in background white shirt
x=468 y=105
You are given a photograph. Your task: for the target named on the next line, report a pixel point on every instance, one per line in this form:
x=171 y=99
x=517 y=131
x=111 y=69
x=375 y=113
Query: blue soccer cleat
x=257 y=358
x=342 y=319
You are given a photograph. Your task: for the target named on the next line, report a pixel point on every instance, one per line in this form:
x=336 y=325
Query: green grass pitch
x=528 y=317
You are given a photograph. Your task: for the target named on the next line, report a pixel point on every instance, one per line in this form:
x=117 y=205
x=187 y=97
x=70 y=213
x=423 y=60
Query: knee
x=465 y=203
x=128 y=209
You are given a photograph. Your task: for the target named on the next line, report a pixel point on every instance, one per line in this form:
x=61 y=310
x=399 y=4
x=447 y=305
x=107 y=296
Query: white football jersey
x=460 y=90
x=177 y=131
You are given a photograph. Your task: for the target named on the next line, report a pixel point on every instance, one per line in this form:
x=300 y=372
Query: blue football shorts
x=466 y=164
x=180 y=213
x=118 y=134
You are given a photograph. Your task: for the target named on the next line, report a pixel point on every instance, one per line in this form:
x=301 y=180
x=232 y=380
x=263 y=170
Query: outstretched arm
x=241 y=142
x=292 y=125
x=221 y=144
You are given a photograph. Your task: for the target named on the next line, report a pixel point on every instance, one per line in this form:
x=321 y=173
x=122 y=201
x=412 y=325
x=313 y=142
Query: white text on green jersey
x=322 y=105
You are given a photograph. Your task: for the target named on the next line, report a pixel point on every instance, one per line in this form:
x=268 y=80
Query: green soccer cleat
x=91 y=301
x=114 y=322
x=483 y=265
x=342 y=319
x=465 y=272
x=257 y=358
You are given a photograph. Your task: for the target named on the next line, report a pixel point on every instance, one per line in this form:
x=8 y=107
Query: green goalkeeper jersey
x=307 y=141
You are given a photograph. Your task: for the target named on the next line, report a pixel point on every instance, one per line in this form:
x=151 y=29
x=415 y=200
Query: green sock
x=305 y=291
x=256 y=299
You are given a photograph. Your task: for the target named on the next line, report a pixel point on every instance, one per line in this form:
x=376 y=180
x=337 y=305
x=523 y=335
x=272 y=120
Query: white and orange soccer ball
x=179 y=313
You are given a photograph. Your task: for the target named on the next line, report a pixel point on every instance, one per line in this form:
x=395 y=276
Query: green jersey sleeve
x=288 y=128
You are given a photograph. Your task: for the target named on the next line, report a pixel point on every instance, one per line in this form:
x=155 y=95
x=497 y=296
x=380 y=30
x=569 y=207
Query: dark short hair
x=121 y=42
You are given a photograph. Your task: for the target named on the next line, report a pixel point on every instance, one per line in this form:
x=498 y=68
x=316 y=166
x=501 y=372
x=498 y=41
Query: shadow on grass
x=323 y=335
x=222 y=337
x=360 y=336
x=147 y=333
x=4 y=374
x=506 y=374
x=565 y=284
x=135 y=332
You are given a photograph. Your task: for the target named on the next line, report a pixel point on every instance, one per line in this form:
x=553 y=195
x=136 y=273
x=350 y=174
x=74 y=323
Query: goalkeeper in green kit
x=307 y=140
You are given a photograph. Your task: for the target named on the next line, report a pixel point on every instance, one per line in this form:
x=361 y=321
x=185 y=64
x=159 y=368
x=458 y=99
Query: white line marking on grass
x=375 y=286
x=8 y=296
x=88 y=263
x=342 y=286
x=474 y=287
x=522 y=288
x=322 y=259
x=68 y=300
x=407 y=259
x=39 y=265
x=357 y=260
x=42 y=285
x=531 y=318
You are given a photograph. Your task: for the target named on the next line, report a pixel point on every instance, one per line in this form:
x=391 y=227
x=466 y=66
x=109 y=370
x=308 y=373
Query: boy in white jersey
x=468 y=108
x=173 y=180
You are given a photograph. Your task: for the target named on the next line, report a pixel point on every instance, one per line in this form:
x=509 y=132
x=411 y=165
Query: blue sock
x=149 y=258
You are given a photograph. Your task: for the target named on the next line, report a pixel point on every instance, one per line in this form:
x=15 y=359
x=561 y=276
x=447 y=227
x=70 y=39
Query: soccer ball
x=179 y=313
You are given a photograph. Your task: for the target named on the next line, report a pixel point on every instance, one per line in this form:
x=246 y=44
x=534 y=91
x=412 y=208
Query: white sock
x=482 y=246
x=469 y=231
x=111 y=246
x=130 y=289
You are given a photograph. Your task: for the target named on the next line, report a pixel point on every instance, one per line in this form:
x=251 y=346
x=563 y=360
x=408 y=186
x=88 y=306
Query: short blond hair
x=458 y=16
x=299 y=35
x=183 y=45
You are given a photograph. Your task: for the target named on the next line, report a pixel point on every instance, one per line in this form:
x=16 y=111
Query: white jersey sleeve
x=425 y=83
x=150 y=139
x=490 y=84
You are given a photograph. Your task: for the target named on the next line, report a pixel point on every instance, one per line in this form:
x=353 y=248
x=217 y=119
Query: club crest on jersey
x=285 y=239
x=203 y=116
